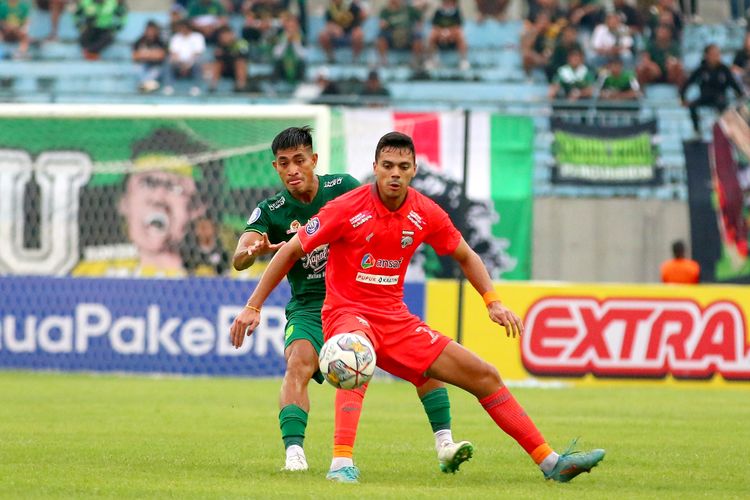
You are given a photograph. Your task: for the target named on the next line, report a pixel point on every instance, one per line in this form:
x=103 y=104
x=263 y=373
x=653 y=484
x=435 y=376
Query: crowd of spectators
x=582 y=49
x=587 y=52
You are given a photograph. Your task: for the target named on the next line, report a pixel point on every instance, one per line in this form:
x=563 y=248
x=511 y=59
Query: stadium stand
x=55 y=71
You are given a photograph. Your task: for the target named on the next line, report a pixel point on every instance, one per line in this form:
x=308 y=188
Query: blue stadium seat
x=661 y=92
x=56 y=51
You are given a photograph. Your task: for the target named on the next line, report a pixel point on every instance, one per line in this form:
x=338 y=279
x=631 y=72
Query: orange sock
x=511 y=418
x=348 y=409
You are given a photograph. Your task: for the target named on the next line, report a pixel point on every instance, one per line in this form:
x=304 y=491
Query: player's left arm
x=247 y=321
x=474 y=270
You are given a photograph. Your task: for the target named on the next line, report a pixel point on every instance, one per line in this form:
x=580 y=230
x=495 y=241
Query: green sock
x=438 y=408
x=292 y=420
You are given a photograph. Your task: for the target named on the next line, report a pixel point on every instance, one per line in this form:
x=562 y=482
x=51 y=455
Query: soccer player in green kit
x=274 y=222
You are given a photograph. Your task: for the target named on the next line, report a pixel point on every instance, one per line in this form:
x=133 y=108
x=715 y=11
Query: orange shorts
x=404 y=345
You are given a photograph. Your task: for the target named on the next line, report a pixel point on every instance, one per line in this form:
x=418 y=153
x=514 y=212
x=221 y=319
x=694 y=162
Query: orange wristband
x=256 y=309
x=490 y=297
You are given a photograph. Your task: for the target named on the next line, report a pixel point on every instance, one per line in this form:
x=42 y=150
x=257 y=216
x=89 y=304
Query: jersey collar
x=382 y=210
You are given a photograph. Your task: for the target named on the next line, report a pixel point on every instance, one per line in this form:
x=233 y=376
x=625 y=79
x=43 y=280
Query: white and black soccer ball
x=347 y=361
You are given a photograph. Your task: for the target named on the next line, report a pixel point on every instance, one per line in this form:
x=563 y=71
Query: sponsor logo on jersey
x=407 y=238
x=277 y=204
x=293 y=227
x=316 y=260
x=254 y=216
x=333 y=182
x=416 y=219
x=635 y=337
x=377 y=279
x=367 y=261
x=360 y=219
x=312 y=226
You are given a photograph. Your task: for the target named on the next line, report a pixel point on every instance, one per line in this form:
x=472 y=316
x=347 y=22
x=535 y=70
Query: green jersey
x=280 y=216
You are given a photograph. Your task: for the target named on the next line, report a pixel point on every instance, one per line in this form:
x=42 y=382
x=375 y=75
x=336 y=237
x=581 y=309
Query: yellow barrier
x=606 y=332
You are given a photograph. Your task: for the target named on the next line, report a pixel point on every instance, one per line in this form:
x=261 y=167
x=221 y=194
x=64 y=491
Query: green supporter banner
x=93 y=194
x=511 y=180
x=495 y=211
x=605 y=155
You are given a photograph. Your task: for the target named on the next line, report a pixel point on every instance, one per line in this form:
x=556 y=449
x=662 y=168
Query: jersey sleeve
x=443 y=237
x=259 y=221
x=322 y=228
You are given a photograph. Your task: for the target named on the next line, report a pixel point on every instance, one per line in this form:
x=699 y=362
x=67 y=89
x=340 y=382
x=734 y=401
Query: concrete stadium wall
x=605 y=240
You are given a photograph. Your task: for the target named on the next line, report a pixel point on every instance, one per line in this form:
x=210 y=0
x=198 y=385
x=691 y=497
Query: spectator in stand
x=689 y=9
x=617 y=83
x=664 y=12
x=493 y=9
x=207 y=17
x=150 y=52
x=185 y=50
x=585 y=13
x=289 y=53
x=230 y=60
x=325 y=86
x=680 y=269
x=660 y=63
x=55 y=8
x=262 y=23
x=741 y=63
x=612 y=38
x=734 y=11
x=714 y=78
x=203 y=253
x=301 y=13
x=629 y=15
x=447 y=33
x=97 y=22
x=566 y=43
x=177 y=13
x=343 y=28
x=400 y=29
x=574 y=79
x=538 y=43
x=373 y=86
x=14 y=24
x=557 y=15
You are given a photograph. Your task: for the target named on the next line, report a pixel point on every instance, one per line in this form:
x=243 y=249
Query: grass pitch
x=78 y=436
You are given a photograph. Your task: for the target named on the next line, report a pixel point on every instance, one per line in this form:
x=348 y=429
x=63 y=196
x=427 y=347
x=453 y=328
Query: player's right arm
x=247 y=320
x=252 y=245
x=254 y=241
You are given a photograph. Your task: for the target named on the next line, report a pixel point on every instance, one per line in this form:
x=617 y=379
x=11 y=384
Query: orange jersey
x=370 y=247
x=684 y=271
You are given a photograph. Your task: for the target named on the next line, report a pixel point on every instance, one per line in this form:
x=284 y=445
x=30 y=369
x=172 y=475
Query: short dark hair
x=678 y=249
x=292 y=138
x=708 y=47
x=222 y=30
x=395 y=140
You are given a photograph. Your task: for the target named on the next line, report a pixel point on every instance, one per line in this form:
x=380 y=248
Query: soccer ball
x=347 y=361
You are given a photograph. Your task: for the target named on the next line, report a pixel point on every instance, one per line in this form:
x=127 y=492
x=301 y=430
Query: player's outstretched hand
x=263 y=246
x=507 y=318
x=244 y=324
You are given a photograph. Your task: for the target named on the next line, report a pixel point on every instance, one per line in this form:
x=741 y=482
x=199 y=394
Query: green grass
x=79 y=436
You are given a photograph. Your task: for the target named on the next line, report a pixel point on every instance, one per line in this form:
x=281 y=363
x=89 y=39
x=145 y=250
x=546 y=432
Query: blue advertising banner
x=143 y=325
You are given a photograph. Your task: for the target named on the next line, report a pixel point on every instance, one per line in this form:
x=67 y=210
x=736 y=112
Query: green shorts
x=305 y=325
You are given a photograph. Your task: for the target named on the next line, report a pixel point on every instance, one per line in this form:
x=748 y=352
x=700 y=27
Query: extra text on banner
x=607 y=331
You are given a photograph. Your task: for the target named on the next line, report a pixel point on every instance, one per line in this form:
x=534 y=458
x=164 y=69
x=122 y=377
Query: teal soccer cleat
x=348 y=474
x=571 y=463
x=452 y=455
